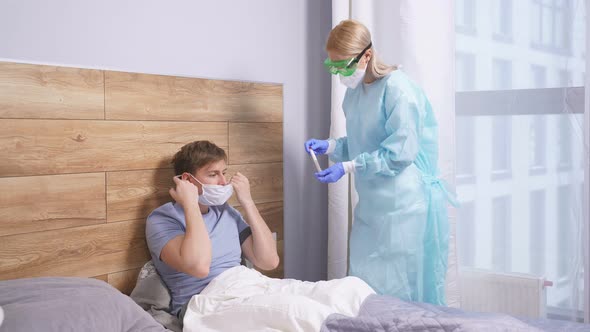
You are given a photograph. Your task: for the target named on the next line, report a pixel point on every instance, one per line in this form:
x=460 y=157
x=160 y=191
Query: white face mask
x=214 y=194
x=353 y=80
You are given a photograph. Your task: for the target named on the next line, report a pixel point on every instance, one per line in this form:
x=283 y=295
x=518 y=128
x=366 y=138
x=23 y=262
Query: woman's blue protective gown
x=400 y=236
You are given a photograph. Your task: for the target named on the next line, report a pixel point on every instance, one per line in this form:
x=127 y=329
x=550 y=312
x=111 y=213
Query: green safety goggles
x=344 y=67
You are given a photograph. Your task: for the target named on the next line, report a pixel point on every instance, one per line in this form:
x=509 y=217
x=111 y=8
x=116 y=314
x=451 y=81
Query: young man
x=195 y=239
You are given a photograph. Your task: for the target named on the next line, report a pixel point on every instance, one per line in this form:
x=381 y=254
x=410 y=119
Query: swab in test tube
x=315 y=160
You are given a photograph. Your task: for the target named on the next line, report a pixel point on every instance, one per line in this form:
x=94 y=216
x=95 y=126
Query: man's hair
x=195 y=155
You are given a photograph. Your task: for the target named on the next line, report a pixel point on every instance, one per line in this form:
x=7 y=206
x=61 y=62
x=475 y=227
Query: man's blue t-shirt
x=227 y=231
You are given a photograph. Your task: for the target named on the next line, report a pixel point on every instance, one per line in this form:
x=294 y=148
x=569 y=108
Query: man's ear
x=185 y=176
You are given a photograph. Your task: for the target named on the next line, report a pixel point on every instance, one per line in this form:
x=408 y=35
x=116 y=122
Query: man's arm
x=260 y=248
x=189 y=253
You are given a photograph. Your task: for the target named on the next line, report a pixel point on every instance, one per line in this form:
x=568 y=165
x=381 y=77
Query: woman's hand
x=331 y=174
x=318 y=146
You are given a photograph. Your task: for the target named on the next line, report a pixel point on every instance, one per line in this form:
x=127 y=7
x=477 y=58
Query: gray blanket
x=384 y=313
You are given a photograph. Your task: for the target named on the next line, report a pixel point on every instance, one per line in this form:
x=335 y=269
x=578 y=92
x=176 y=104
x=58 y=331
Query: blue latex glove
x=331 y=174
x=317 y=145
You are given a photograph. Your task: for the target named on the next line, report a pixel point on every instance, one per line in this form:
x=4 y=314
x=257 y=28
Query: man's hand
x=242 y=188
x=185 y=193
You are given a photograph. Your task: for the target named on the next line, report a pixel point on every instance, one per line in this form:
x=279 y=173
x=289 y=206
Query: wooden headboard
x=85 y=157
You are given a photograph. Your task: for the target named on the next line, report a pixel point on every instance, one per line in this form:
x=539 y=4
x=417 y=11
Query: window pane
x=564 y=78
x=465 y=146
x=502 y=18
x=559 y=29
x=502 y=147
x=547 y=26
x=565 y=141
x=537 y=142
x=502 y=211
x=460 y=12
x=465 y=71
x=466 y=235
x=538 y=76
x=537 y=213
x=536 y=25
x=502 y=74
x=469 y=13
x=564 y=231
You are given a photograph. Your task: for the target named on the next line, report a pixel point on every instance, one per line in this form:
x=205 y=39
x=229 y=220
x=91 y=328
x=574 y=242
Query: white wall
x=255 y=40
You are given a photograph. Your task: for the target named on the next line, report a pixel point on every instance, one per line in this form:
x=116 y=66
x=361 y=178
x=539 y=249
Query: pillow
x=70 y=304
x=153 y=296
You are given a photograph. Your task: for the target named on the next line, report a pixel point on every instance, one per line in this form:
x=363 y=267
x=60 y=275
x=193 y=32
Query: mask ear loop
x=200 y=189
x=358 y=57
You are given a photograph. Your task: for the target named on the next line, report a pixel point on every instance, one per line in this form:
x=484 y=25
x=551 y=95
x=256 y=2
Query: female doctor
x=399 y=239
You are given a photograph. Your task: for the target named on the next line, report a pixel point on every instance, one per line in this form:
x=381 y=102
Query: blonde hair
x=349 y=38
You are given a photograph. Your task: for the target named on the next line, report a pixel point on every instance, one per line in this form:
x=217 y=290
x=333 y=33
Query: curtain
x=522 y=162
x=586 y=163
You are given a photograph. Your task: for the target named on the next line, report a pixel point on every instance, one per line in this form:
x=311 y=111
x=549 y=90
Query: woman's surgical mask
x=214 y=194
x=353 y=80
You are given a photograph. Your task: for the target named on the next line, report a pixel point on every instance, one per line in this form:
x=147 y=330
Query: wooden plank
x=255 y=143
x=40 y=203
x=79 y=252
x=272 y=213
x=36 y=147
x=124 y=280
x=135 y=194
x=266 y=181
x=35 y=91
x=132 y=96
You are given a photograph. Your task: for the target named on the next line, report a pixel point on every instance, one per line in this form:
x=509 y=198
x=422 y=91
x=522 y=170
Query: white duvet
x=242 y=299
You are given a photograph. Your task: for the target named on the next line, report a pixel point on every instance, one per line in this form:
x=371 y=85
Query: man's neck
x=204 y=208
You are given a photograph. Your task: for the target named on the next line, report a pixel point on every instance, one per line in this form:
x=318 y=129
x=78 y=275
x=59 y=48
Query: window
x=520 y=136
x=565 y=231
x=465 y=132
x=565 y=142
x=564 y=78
x=503 y=20
x=465 y=16
x=465 y=71
x=538 y=134
x=502 y=74
x=466 y=234
x=501 y=234
x=537 y=232
x=551 y=25
x=539 y=76
x=501 y=147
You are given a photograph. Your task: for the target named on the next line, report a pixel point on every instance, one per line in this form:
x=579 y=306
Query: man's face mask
x=214 y=194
